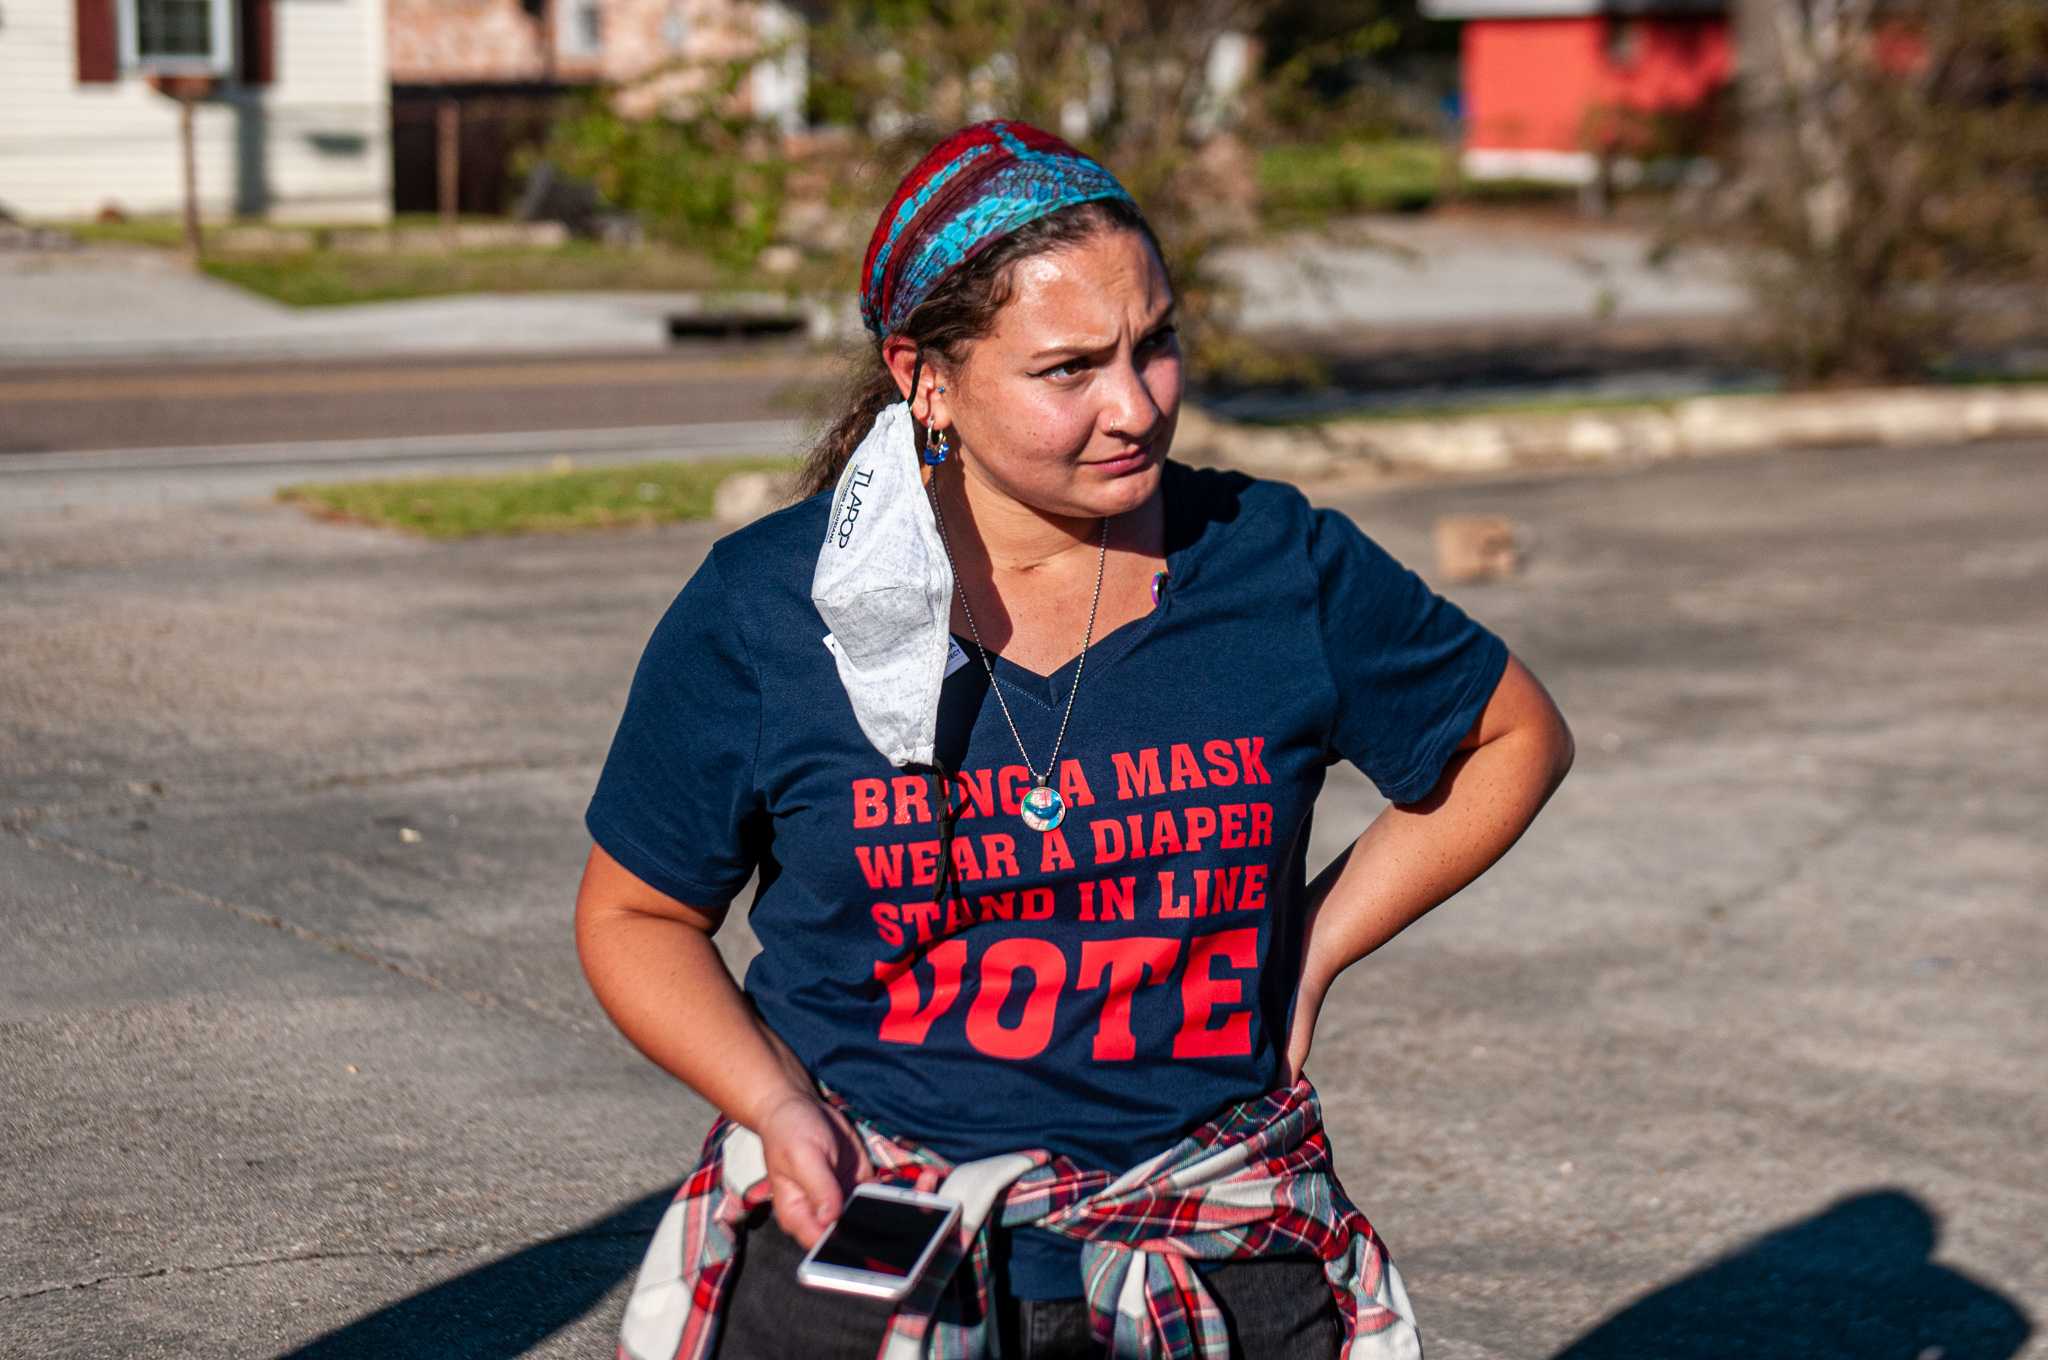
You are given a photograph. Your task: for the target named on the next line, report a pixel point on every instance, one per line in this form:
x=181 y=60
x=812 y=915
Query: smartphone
x=880 y=1243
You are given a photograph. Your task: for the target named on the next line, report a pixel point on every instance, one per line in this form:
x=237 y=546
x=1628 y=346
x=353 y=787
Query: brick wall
x=458 y=41
x=496 y=41
x=651 y=34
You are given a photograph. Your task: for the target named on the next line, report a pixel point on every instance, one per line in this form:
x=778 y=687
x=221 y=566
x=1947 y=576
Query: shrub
x=708 y=180
x=1888 y=196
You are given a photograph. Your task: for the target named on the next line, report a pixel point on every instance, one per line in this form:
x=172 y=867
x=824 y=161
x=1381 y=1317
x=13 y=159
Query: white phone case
x=871 y=1284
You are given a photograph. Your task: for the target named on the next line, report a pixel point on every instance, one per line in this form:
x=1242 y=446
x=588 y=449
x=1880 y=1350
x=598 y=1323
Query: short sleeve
x=1412 y=670
x=677 y=802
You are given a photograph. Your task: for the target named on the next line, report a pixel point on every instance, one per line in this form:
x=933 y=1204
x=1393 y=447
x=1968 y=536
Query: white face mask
x=884 y=587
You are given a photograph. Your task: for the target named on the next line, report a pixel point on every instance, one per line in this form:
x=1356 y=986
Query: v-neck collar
x=1183 y=534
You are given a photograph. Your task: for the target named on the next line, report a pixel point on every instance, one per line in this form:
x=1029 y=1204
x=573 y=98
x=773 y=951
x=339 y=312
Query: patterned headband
x=977 y=186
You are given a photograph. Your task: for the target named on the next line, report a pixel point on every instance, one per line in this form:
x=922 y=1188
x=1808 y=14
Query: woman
x=1025 y=758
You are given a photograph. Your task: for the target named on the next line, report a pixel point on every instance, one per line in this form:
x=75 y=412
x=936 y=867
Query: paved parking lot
x=1740 y=1051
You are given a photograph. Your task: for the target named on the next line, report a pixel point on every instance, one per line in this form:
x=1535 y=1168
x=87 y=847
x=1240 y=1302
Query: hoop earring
x=935 y=454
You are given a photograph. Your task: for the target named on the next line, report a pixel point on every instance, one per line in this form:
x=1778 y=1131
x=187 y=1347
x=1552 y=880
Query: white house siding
x=315 y=145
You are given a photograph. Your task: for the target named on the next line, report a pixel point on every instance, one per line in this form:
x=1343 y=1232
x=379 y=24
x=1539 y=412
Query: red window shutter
x=256 y=26
x=99 y=57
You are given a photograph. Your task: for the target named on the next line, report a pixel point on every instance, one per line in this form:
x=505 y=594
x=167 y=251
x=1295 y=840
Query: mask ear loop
x=932 y=454
x=916 y=371
x=948 y=818
x=941 y=781
x=949 y=815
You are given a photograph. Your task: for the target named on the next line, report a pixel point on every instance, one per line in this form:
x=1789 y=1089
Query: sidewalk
x=1404 y=271
x=141 y=305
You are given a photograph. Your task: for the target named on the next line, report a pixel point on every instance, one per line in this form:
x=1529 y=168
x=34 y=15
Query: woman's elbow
x=1563 y=749
x=1522 y=709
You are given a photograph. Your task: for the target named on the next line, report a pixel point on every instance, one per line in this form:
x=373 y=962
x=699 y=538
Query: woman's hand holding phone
x=652 y=963
x=814 y=1160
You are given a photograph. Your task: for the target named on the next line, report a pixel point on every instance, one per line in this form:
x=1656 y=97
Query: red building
x=1549 y=84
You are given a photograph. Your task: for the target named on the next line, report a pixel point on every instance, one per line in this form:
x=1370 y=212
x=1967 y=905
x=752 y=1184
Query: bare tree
x=1889 y=193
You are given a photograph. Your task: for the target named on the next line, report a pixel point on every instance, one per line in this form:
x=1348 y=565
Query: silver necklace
x=1042 y=807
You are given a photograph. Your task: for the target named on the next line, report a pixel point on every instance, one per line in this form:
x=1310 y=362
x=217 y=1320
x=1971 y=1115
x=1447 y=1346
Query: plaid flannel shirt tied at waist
x=1254 y=1181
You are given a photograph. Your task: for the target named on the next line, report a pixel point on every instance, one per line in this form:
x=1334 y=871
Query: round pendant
x=1043 y=808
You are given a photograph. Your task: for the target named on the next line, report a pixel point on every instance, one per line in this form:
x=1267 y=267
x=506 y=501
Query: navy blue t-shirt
x=1099 y=990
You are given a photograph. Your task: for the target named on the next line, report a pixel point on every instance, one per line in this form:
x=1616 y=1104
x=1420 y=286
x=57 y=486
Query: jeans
x=1274 y=1309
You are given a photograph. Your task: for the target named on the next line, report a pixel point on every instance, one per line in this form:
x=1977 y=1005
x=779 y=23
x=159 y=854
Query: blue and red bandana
x=973 y=188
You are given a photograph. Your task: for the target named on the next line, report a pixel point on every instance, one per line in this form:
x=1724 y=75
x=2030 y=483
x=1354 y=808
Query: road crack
x=482 y=1000
x=194 y=796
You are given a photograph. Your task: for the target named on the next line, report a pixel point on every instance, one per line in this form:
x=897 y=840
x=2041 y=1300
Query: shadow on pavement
x=510 y=1305
x=1852 y=1281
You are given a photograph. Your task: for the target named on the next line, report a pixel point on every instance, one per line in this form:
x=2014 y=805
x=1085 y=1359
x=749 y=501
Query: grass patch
x=1613 y=405
x=323 y=277
x=1502 y=406
x=168 y=233
x=1310 y=181
x=163 y=233
x=330 y=278
x=1306 y=183
x=1564 y=405
x=531 y=502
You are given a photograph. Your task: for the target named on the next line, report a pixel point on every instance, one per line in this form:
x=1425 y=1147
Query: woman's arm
x=1415 y=855
x=651 y=961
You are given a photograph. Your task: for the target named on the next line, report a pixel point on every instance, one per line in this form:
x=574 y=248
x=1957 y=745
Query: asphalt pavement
x=48 y=409
x=152 y=434
x=1739 y=1051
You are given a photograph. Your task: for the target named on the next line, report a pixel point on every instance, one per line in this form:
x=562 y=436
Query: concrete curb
x=1697 y=427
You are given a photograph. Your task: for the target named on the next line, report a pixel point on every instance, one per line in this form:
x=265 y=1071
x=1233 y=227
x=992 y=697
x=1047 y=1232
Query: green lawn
x=325 y=278
x=531 y=502
x=164 y=233
x=1312 y=180
x=169 y=232
x=1452 y=410
x=1304 y=183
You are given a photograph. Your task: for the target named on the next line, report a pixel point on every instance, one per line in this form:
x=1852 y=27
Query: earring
x=935 y=454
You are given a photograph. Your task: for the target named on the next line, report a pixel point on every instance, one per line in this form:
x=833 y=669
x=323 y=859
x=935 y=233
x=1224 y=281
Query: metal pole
x=194 y=244
x=448 y=164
